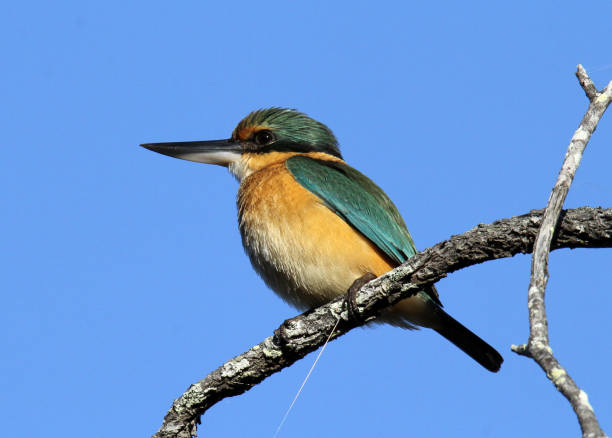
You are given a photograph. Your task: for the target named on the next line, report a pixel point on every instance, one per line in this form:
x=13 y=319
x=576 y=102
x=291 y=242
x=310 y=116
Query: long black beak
x=221 y=152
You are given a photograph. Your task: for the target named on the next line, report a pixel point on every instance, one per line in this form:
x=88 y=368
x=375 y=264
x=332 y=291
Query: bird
x=315 y=228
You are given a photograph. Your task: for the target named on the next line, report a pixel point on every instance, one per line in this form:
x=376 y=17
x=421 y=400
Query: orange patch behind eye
x=244 y=133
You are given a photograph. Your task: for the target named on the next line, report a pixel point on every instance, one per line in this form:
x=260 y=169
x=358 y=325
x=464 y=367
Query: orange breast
x=304 y=252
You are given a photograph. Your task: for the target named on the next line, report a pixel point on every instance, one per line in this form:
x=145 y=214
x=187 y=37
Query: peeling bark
x=538 y=346
x=579 y=228
x=538 y=231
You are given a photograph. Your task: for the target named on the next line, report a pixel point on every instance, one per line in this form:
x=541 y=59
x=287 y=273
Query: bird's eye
x=264 y=137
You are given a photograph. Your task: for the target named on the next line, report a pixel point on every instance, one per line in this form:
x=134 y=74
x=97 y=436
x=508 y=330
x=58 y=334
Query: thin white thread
x=305 y=379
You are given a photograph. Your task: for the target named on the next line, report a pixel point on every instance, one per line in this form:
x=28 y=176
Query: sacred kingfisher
x=312 y=226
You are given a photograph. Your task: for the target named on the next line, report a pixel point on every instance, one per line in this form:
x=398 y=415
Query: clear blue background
x=122 y=274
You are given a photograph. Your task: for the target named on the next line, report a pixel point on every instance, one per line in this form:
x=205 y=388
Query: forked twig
x=538 y=346
x=579 y=228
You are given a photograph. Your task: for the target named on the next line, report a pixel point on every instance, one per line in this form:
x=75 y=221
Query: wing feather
x=357 y=200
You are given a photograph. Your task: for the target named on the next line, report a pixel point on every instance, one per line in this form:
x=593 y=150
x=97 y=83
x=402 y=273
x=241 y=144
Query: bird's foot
x=351 y=296
x=281 y=335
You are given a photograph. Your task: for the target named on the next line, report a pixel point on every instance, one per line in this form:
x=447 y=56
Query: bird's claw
x=281 y=337
x=351 y=296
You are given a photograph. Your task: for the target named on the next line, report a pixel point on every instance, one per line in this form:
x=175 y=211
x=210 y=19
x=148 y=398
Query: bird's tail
x=467 y=341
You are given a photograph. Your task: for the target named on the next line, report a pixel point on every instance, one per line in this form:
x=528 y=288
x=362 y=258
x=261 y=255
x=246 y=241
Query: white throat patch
x=239 y=168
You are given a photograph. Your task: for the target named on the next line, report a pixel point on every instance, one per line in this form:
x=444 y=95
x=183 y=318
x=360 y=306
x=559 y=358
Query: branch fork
x=538 y=346
x=536 y=231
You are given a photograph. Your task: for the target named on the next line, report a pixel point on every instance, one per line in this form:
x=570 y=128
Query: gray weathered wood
x=578 y=228
x=538 y=346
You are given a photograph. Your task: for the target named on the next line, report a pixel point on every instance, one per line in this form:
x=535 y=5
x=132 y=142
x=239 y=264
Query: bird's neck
x=250 y=163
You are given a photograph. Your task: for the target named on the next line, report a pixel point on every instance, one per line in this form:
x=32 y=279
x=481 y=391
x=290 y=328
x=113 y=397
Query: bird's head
x=262 y=137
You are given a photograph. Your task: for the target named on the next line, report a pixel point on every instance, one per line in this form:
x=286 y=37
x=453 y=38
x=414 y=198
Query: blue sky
x=123 y=277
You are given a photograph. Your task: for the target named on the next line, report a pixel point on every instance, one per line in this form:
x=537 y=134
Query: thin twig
x=586 y=83
x=580 y=228
x=538 y=346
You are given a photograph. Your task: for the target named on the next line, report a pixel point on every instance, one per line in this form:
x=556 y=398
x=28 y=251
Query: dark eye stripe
x=264 y=137
x=289 y=146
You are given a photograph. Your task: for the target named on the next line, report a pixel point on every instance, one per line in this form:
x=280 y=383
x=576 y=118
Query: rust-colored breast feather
x=303 y=251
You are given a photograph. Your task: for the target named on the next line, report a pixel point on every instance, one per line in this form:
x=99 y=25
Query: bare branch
x=538 y=346
x=586 y=83
x=579 y=228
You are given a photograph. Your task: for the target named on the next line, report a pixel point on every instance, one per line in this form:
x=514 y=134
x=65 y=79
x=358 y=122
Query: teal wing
x=357 y=200
x=361 y=203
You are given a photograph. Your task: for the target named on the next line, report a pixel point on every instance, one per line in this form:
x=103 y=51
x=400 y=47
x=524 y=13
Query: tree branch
x=586 y=83
x=579 y=228
x=538 y=346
